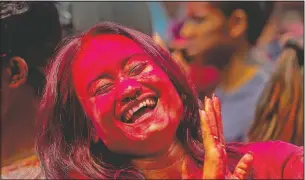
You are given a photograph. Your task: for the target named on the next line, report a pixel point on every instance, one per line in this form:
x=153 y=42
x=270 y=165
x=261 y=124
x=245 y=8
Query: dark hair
x=279 y=112
x=64 y=142
x=258 y=13
x=32 y=34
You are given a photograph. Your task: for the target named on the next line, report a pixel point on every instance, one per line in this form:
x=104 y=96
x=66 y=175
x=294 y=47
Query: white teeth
x=145 y=103
x=134 y=109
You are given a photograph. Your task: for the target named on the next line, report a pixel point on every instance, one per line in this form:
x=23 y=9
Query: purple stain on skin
x=175 y=29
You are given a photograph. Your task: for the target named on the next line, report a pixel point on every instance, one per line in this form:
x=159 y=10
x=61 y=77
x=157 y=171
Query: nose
x=128 y=90
x=186 y=30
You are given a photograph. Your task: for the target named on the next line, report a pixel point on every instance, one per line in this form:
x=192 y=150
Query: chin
x=193 y=53
x=155 y=136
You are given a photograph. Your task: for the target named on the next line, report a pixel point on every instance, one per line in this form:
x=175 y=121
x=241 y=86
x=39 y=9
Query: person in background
x=280 y=110
x=206 y=76
x=286 y=22
x=221 y=35
x=30 y=32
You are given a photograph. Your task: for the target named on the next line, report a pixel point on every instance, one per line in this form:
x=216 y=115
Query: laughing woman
x=117 y=106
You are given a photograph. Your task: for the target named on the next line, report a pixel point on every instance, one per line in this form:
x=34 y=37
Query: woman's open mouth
x=139 y=109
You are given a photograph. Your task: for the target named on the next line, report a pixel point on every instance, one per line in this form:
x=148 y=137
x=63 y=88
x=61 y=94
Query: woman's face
x=133 y=105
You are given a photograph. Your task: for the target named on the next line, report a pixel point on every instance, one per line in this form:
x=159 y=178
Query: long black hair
x=258 y=13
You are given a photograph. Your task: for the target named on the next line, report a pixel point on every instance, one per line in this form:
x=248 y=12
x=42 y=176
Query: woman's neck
x=165 y=165
x=238 y=71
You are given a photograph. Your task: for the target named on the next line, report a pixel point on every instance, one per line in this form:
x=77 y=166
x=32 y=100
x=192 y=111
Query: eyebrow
x=125 y=60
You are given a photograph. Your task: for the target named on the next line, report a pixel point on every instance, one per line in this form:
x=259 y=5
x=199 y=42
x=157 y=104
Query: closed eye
x=103 y=89
x=137 y=69
x=197 y=19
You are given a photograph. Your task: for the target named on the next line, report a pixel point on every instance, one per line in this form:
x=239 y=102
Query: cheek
x=152 y=77
x=168 y=94
x=175 y=110
x=101 y=111
x=159 y=82
x=210 y=32
x=155 y=81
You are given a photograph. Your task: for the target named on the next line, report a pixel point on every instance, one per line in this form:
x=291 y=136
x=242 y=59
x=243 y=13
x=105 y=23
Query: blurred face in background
x=206 y=44
x=206 y=33
x=204 y=77
x=211 y=38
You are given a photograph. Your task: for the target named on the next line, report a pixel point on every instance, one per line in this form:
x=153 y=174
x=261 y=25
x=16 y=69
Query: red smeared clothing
x=272 y=160
x=275 y=159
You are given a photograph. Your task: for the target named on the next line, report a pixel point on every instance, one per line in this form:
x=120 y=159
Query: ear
x=238 y=23
x=18 y=71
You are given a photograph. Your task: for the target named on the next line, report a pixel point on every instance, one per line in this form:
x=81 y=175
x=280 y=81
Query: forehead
x=106 y=49
x=199 y=7
x=102 y=54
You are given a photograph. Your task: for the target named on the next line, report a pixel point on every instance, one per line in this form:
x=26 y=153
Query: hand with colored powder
x=215 y=160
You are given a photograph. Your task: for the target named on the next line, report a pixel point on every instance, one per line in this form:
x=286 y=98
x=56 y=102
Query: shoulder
x=266 y=67
x=275 y=159
x=264 y=73
x=28 y=168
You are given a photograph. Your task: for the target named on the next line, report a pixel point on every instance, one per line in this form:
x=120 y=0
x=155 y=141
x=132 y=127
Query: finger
x=217 y=109
x=244 y=166
x=184 y=174
x=209 y=109
x=207 y=137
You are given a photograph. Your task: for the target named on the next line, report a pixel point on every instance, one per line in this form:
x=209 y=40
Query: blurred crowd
x=250 y=54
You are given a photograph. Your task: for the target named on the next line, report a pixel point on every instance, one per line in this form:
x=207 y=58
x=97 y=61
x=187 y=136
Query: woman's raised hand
x=215 y=160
